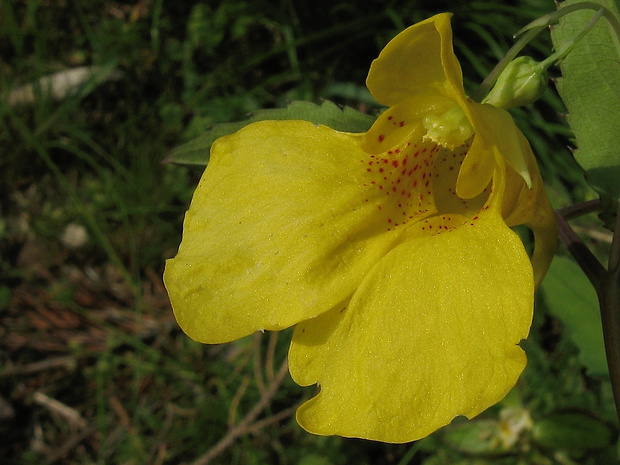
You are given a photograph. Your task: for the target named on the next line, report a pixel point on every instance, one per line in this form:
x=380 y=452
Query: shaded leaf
x=573 y=431
x=196 y=151
x=571 y=298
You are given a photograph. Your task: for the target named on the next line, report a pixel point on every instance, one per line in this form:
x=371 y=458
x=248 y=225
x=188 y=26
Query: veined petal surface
x=283 y=225
x=431 y=333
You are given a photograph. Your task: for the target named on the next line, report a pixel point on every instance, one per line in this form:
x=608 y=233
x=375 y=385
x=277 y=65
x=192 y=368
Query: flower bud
x=522 y=82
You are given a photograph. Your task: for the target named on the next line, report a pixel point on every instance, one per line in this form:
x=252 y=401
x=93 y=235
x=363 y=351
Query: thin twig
x=62 y=451
x=258 y=370
x=272 y=419
x=234 y=403
x=580 y=209
x=243 y=427
x=67 y=362
x=269 y=358
x=68 y=413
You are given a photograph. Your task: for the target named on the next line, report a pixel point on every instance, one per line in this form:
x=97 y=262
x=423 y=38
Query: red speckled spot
x=412 y=194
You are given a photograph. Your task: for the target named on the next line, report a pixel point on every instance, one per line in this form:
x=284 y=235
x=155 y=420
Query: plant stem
x=590 y=265
x=532 y=29
x=609 y=301
x=605 y=282
x=614 y=253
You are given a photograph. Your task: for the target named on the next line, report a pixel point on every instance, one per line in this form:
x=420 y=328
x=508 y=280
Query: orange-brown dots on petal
x=381 y=137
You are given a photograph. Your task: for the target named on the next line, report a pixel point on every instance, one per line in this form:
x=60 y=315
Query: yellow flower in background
x=391 y=251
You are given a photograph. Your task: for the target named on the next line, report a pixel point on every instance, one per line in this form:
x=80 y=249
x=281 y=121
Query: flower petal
x=530 y=206
x=496 y=135
x=403 y=122
x=496 y=126
x=431 y=333
x=282 y=226
x=417 y=61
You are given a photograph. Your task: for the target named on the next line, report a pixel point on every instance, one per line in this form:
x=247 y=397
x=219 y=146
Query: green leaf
x=571 y=298
x=196 y=151
x=578 y=432
x=590 y=89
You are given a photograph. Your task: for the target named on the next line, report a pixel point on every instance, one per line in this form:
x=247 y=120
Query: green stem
x=566 y=47
x=532 y=29
x=546 y=20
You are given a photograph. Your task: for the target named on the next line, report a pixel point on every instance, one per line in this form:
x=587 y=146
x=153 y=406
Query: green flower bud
x=522 y=82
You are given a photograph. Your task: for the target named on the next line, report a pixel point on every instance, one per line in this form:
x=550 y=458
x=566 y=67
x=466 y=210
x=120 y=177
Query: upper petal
x=417 y=61
x=282 y=226
x=431 y=333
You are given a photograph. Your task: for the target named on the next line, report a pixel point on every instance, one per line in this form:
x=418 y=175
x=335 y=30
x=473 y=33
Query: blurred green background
x=93 y=368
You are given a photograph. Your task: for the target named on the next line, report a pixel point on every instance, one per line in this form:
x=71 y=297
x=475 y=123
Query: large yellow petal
x=431 y=333
x=417 y=61
x=284 y=224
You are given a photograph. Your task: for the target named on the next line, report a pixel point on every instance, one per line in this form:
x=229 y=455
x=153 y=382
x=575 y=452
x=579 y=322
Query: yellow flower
x=391 y=251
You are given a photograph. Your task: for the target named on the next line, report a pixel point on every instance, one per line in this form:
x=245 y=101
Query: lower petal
x=431 y=333
x=282 y=226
